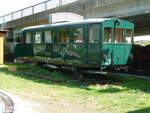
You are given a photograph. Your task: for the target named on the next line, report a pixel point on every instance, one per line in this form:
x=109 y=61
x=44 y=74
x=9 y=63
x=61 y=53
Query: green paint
x=91 y=51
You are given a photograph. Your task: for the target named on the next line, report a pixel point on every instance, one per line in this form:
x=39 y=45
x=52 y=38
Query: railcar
x=99 y=43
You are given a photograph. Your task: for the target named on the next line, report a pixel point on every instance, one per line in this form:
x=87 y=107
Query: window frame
x=52 y=39
x=58 y=37
x=124 y=33
x=94 y=25
x=34 y=33
x=111 y=33
x=132 y=32
x=71 y=35
x=82 y=35
x=26 y=35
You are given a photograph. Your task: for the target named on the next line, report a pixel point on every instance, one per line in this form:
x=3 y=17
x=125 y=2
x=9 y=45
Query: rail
x=43 y=6
x=8 y=103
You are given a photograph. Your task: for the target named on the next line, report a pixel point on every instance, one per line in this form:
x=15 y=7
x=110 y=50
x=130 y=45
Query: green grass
x=115 y=95
x=142 y=43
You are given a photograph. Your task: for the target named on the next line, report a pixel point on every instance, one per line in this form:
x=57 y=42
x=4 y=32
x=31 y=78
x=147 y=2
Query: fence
x=43 y=6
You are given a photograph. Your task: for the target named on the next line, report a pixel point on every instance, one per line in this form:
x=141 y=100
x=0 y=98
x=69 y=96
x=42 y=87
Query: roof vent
x=64 y=17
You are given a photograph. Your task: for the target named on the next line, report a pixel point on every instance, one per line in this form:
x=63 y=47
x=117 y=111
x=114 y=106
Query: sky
x=8 y=6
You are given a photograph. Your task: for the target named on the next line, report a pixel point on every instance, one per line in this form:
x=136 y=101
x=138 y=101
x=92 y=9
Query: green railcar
x=92 y=42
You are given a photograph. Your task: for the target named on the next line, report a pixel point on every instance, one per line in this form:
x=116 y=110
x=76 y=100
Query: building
x=2 y=33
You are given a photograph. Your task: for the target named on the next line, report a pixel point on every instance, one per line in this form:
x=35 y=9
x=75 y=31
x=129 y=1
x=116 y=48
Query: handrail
x=43 y=6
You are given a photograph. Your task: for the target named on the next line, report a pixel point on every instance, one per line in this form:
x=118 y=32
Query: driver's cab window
x=129 y=36
x=94 y=34
x=119 y=35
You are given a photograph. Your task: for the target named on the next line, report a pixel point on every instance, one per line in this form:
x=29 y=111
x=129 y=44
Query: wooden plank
x=1 y=48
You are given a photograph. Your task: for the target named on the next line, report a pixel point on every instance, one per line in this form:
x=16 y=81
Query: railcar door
x=22 y=45
x=94 y=45
x=107 y=46
x=119 y=46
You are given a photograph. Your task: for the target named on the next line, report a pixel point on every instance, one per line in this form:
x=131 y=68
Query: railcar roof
x=95 y=20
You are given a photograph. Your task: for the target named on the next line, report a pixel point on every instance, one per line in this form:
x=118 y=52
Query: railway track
x=6 y=103
x=119 y=74
x=125 y=74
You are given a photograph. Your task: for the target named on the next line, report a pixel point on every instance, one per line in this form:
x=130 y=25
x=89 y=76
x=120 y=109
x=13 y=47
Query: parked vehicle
x=88 y=43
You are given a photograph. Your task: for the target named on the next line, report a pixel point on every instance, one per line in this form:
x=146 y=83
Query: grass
x=142 y=43
x=94 y=95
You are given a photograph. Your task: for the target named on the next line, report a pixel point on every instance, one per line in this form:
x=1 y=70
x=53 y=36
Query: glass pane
x=78 y=36
x=28 y=38
x=63 y=36
x=38 y=37
x=94 y=34
x=18 y=38
x=48 y=37
x=119 y=35
x=128 y=36
x=107 y=35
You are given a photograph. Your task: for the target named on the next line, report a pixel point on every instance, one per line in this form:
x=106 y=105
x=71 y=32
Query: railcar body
x=92 y=42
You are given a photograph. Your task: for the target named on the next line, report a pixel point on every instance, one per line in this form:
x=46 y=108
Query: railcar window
x=94 y=34
x=78 y=35
x=107 y=34
x=128 y=36
x=119 y=35
x=38 y=37
x=64 y=36
x=28 y=38
x=48 y=37
x=18 y=38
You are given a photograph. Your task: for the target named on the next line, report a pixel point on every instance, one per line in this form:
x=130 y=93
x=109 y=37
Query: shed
x=2 y=33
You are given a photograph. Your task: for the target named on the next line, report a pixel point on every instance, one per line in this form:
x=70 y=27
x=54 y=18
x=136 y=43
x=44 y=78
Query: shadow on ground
x=112 y=90
x=145 y=110
x=69 y=81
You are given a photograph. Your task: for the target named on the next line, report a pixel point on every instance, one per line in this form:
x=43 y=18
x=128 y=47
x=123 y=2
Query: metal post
x=60 y=2
x=45 y=5
x=21 y=13
x=12 y=16
x=32 y=9
x=3 y=19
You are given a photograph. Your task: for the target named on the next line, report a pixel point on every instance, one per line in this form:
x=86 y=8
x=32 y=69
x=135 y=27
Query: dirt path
x=22 y=106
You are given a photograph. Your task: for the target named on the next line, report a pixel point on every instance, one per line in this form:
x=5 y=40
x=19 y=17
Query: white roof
x=64 y=17
x=84 y=21
x=95 y=20
x=32 y=27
